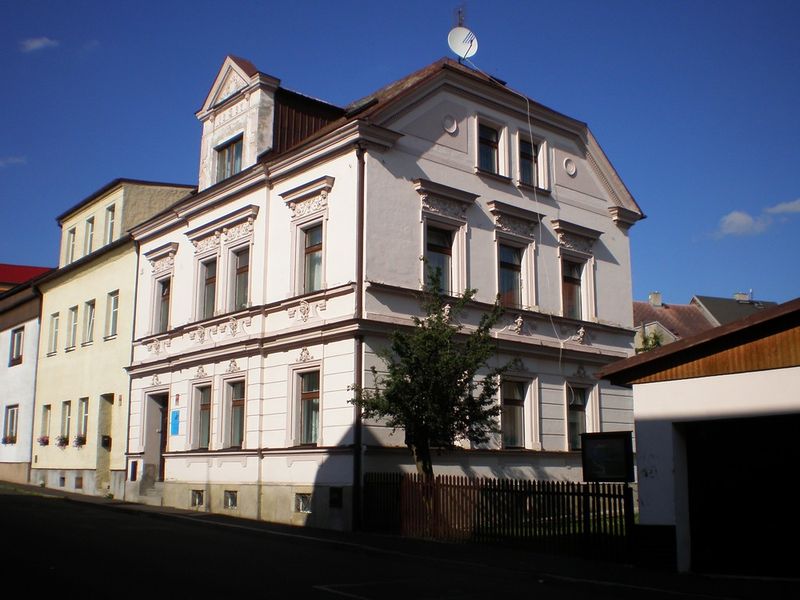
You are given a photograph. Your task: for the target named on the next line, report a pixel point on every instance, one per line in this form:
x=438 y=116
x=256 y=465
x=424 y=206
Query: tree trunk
x=422 y=459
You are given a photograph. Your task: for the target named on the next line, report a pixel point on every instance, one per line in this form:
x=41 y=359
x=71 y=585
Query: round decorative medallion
x=570 y=167
x=449 y=124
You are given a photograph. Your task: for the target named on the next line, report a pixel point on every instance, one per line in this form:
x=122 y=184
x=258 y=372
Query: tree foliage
x=431 y=387
x=651 y=341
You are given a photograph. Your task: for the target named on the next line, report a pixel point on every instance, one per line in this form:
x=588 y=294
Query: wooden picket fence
x=587 y=519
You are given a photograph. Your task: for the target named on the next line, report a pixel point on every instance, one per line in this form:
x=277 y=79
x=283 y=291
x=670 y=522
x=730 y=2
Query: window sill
x=69 y=349
x=52 y=353
x=108 y=338
x=89 y=343
x=15 y=361
x=492 y=175
x=532 y=188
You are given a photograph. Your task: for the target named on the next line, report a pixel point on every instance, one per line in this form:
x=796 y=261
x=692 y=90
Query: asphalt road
x=70 y=546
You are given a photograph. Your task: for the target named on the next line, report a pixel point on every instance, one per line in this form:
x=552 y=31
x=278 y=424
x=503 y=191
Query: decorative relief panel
x=233 y=367
x=305 y=310
x=238 y=231
x=310 y=205
x=156 y=346
x=201 y=372
x=231 y=327
x=444 y=206
x=165 y=263
x=208 y=243
x=304 y=356
x=233 y=83
x=515 y=226
x=519 y=326
x=576 y=242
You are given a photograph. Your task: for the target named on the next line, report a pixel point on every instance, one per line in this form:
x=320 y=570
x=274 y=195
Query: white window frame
x=72 y=327
x=200 y=286
x=52 y=339
x=295 y=425
x=522 y=403
x=541 y=173
x=223 y=147
x=502 y=146
x=88 y=236
x=444 y=207
x=591 y=409
x=162 y=260
x=112 y=314
x=233 y=255
x=16 y=348
x=308 y=204
x=47 y=414
x=576 y=245
x=194 y=432
x=227 y=417
x=83 y=416
x=11 y=424
x=111 y=217
x=89 y=317
x=66 y=417
x=69 y=250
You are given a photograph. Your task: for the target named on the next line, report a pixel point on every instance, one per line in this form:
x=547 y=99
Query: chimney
x=655 y=299
x=742 y=297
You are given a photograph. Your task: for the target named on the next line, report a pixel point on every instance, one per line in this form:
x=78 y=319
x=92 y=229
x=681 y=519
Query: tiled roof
x=726 y=310
x=682 y=320
x=19 y=273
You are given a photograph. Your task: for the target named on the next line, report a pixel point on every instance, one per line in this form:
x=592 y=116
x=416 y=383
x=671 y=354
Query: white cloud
x=785 y=207
x=6 y=161
x=34 y=44
x=741 y=223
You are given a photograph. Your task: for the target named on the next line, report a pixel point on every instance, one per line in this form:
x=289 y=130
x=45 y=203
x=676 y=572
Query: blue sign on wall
x=174 y=422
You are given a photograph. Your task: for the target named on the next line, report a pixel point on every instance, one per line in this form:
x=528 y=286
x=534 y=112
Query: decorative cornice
x=575 y=237
x=240 y=220
x=162 y=258
x=309 y=198
x=623 y=217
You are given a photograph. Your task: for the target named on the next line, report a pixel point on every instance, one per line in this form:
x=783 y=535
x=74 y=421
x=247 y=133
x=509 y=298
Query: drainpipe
x=136 y=247
x=359 y=340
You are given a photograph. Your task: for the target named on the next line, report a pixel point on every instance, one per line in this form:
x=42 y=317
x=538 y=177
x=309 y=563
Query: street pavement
x=72 y=544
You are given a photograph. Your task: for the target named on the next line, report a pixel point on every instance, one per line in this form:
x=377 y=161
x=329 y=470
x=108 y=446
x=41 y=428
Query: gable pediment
x=234 y=77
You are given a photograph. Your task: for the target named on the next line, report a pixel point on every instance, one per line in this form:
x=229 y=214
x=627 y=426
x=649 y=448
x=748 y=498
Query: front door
x=161 y=403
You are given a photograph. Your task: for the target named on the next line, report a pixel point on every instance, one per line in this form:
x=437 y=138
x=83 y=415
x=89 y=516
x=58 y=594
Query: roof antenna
x=461 y=40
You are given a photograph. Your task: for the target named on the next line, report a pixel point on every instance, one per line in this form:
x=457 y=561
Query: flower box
x=80 y=440
x=43 y=440
x=62 y=441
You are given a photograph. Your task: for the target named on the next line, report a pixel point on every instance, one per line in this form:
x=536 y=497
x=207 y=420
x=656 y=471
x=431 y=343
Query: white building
x=20 y=309
x=264 y=297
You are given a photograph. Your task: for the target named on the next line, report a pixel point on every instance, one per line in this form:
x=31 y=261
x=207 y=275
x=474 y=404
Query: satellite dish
x=462 y=42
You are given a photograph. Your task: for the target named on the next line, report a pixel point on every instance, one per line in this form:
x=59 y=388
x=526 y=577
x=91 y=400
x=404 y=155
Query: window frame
x=69 y=251
x=303 y=397
x=11 y=424
x=161 y=318
x=44 y=424
x=207 y=283
x=66 y=418
x=52 y=335
x=112 y=314
x=295 y=384
x=309 y=252
x=539 y=163
x=88 y=236
x=197 y=408
x=493 y=146
x=516 y=268
x=231 y=404
x=589 y=422
x=16 y=349
x=72 y=328
x=235 y=271
x=110 y=221
x=226 y=160
x=520 y=403
x=83 y=416
x=89 y=317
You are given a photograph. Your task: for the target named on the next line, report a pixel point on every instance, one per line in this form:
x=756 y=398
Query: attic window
x=229 y=159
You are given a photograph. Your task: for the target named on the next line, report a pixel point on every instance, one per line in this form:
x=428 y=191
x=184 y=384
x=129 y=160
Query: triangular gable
x=234 y=75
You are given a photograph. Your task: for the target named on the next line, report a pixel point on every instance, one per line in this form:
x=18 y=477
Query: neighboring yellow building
x=81 y=405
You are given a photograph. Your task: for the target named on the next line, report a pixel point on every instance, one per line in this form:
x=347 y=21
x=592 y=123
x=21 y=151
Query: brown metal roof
x=244 y=64
x=768 y=339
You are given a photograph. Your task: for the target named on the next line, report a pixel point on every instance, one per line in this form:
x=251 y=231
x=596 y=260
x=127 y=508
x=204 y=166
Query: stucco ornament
x=580 y=335
x=238 y=231
x=201 y=372
x=444 y=206
x=309 y=205
x=165 y=263
x=198 y=334
x=232 y=367
x=518 y=323
x=156 y=346
x=306 y=310
x=446 y=313
x=575 y=242
x=210 y=242
x=304 y=356
x=155 y=380
x=514 y=225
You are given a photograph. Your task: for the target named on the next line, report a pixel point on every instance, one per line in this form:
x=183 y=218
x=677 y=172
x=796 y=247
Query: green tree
x=430 y=388
x=651 y=341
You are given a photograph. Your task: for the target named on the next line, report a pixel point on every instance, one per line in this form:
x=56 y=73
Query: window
x=197 y=498
x=88 y=322
x=109 y=227
x=488 y=138
x=229 y=159
x=45 y=425
x=70 y=250
x=576 y=416
x=528 y=167
x=302 y=503
x=312 y=259
x=162 y=304
x=52 y=342
x=439 y=255
x=510 y=275
x=72 y=327
x=15 y=352
x=235 y=393
x=241 y=273
x=88 y=236
x=83 y=416
x=571 y=276
x=230 y=499
x=112 y=313
x=208 y=288
x=309 y=408
x=10 y=424
x=512 y=416
x=66 y=417
x=203 y=396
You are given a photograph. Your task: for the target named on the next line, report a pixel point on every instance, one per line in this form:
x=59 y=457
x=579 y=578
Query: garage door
x=743 y=505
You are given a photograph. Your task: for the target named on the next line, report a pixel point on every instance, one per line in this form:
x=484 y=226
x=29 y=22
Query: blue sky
x=694 y=102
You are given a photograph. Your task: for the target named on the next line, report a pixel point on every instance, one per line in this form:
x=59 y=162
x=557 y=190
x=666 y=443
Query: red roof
x=682 y=320
x=19 y=273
